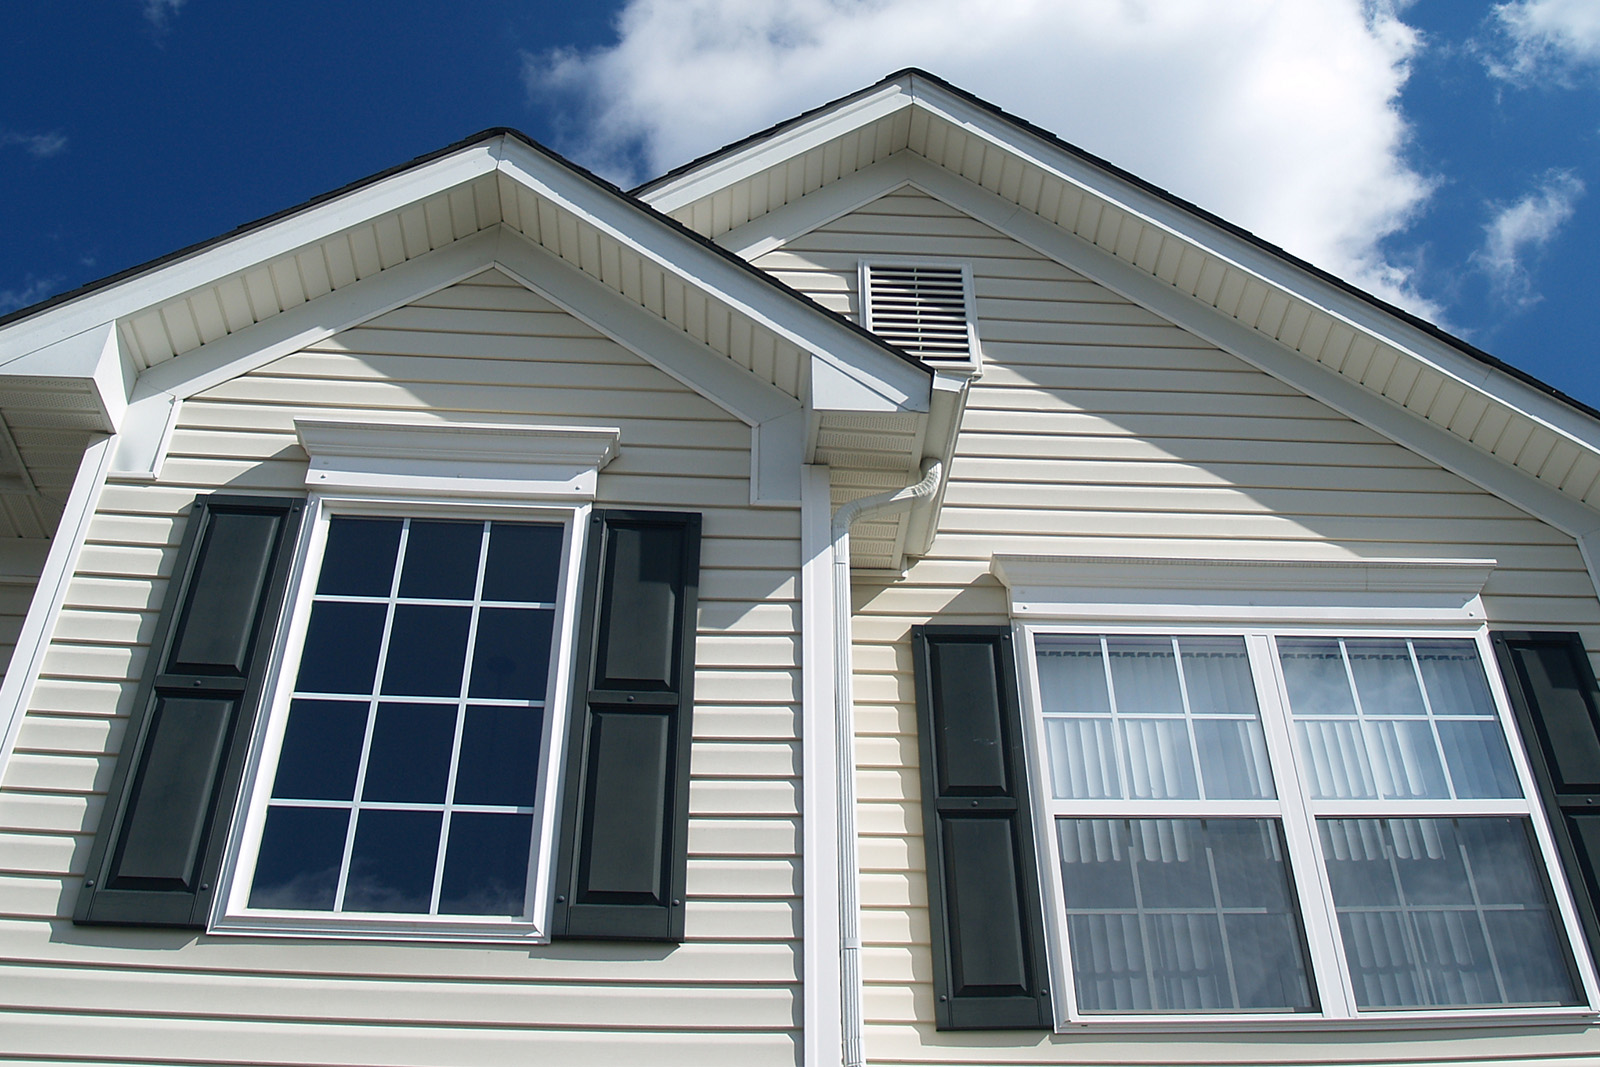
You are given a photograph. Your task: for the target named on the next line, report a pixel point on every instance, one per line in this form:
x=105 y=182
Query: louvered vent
x=922 y=308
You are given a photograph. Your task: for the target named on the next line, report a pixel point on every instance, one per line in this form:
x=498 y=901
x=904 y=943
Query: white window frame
x=972 y=366
x=423 y=470
x=1191 y=597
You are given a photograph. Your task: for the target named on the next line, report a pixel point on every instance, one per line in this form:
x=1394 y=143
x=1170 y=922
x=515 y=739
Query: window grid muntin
x=1329 y=971
x=309 y=577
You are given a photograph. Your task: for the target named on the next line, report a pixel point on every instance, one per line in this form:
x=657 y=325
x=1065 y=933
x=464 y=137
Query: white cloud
x=1521 y=229
x=160 y=12
x=37 y=145
x=30 y=291
x=1281 y=117
x=1547 y=38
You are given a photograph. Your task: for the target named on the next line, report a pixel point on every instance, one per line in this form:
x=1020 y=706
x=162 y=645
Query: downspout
x=845 y=749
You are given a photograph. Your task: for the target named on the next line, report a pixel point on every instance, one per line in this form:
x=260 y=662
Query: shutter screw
x=974 y=803
x=196 y=683
x=88 y=883
x=205 y=887
x=1589 y=800
x=561 y=900
x=677 y=903
x=630 y=700
x=943 y=997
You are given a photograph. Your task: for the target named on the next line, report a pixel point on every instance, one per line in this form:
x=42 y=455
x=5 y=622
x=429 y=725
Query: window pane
x=511 y=657
x=1072 y=675
x=486 y=864
x=391 y=865
x=1454 y=678
x=410 y=756
x=1385 y=679
x=441 y=560
x=524 y=562
x=427 y=650
x=1313 y=670
x=358 y=559
x=1233 y=759
x=1144 y=676
x=500 y=757
x=1181 y=915
x=321 y=750
x=1160 y=763
x=297 y=866
x=1083 y=758
x=341 y=649
x=1445 y=913
x=1216 y=673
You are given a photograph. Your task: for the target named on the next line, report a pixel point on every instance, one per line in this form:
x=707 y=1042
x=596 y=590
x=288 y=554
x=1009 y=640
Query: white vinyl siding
x=1097 y=427
x=484 y=350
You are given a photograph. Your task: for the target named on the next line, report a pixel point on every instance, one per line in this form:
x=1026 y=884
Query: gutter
x=849 y=864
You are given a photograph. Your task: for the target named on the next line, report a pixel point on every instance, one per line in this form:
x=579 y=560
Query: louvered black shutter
x=1553 y=692
x=989 y=968
x=156 y=855
x=625 y=821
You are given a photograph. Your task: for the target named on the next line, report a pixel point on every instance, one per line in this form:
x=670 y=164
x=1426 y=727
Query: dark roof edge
x=485 y=135
x=1233 y=229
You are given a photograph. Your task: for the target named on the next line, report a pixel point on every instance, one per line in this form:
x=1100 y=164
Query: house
x=895 y=590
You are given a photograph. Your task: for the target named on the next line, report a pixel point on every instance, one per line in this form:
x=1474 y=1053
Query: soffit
x=1490 y=408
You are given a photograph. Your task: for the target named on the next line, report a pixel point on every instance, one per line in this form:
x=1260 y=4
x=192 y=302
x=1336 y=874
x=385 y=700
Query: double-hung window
x=404 y=779
x=1292 y=819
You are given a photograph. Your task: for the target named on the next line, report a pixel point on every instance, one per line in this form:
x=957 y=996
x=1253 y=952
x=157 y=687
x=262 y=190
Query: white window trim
x=969 y=367
x=1258 y=598
x=456 y=470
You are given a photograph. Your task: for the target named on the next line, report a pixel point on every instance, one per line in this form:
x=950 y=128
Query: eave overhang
x=146 y=339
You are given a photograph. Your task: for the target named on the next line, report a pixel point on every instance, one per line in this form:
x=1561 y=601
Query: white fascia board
x=1273 y=270
x=218 y=261
x=719 y=173
x=1315 y=380
x=850 y=354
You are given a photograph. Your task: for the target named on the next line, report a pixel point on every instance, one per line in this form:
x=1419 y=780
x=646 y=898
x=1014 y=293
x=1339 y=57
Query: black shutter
x=1553 y=692
x=156 y=855
x=625 y=821
x=989 y=969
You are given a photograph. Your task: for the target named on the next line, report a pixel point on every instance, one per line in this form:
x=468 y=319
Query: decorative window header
x=456 y=458
x=1398 y=591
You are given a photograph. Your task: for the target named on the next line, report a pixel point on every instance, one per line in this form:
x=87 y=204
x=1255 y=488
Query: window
x=923 y=307
x=405 y=774
x=1280 y=822
x=385 y=762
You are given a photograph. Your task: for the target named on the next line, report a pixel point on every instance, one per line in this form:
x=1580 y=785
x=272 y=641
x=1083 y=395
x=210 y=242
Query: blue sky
x=1444 y=154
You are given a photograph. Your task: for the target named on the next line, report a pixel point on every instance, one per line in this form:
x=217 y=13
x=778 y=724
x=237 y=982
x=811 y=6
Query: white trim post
x=51 y=591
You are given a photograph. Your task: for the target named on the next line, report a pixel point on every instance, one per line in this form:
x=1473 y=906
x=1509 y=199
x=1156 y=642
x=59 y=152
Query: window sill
x=1471 y=1018
x=436 y=931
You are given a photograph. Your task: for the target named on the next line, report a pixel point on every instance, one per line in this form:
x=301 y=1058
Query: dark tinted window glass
x=341 y=651
x=298 y=865
x=359 y=557
x=410 y=758
x=486 y=864
x=441 y=559
x=427 y=649
x=523 y=562
x=512 y=658
x=391 y=867
x=499 y=756
x=321 y=750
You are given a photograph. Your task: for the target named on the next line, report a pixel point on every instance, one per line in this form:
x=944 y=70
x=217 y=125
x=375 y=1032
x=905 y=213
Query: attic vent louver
x=923 y=308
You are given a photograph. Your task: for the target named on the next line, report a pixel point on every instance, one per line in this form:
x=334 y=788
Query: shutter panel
x=989 y=967
x=157 y=853
x=1553 y=692
x=624 y=847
